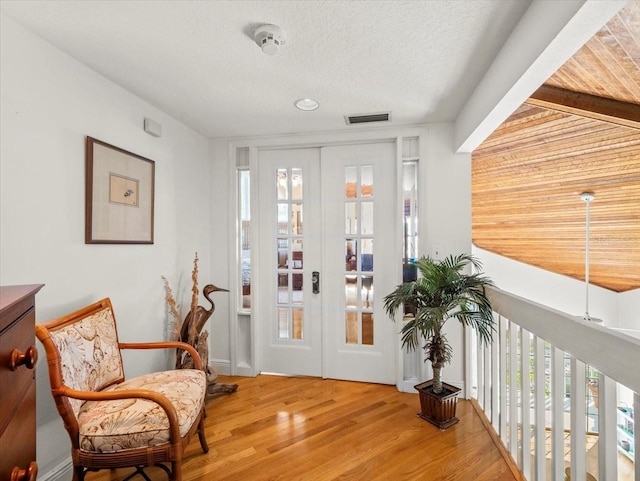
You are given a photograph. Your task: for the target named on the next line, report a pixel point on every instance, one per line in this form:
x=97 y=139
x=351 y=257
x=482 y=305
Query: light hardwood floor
x=309 y=429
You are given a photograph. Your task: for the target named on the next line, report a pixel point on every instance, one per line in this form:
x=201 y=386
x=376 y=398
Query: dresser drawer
x=17 y=442
x=20 y=335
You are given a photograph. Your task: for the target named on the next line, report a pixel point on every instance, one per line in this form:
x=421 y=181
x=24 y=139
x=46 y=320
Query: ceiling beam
x=548 y=34
x=586 y=105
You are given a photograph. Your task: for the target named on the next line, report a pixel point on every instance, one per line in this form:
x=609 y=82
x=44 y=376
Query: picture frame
x=119 y=195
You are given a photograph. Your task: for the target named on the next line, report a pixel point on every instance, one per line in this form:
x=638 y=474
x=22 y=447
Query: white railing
x=536 y=385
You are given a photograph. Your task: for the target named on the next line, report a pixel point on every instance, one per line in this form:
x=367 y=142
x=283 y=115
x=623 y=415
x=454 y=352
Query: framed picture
x=118 y=195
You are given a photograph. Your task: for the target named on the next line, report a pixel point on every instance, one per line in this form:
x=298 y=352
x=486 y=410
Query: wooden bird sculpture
x=191 y=333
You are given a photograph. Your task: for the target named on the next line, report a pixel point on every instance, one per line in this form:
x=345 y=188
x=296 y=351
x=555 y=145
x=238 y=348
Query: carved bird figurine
x=196 y=319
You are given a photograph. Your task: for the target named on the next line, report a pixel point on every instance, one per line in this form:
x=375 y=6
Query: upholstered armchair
x=113 y=422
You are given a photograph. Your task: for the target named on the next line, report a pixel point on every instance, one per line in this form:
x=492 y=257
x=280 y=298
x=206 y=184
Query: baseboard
x=63 y=471
x=506 y=455
x=221 y=366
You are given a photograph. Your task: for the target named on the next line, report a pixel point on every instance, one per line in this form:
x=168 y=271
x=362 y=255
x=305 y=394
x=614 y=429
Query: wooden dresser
x=18 y=357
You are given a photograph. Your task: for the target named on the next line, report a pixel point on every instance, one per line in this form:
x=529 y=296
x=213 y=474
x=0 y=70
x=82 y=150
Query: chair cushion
x=109 y=426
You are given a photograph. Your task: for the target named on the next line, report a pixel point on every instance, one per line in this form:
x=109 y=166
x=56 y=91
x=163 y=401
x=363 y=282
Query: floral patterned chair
x=115 y=423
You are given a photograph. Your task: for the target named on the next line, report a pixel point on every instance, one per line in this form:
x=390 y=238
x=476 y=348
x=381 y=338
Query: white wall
x=554 y=290
x=445 y=221
x=629 y=310
x=49 y=102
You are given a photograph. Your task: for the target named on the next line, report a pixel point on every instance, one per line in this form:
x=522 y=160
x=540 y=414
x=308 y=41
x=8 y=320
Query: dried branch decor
x=190 y=330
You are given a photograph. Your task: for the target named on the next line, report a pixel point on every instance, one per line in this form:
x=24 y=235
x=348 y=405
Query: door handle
x=315 y=282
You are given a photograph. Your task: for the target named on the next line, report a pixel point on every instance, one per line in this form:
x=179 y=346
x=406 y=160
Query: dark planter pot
x=438 y=409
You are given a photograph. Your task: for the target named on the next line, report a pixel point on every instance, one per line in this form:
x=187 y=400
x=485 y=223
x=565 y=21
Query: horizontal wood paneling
x=528 y=175
x=526 y=184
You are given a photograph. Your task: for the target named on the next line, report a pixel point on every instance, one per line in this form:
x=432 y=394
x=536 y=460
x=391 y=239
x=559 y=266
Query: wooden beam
x=585 y=105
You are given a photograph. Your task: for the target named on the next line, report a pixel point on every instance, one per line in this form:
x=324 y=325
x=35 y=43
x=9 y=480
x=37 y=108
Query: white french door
x=328 y=212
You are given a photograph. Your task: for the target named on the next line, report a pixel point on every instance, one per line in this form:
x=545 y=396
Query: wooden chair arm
x=160 y=399
x=165 y=345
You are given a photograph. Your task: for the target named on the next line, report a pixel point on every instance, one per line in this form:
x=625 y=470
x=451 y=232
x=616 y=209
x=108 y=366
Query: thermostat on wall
x=152 y=127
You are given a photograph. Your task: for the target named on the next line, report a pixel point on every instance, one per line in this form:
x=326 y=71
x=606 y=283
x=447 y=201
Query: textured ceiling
x=196 y=60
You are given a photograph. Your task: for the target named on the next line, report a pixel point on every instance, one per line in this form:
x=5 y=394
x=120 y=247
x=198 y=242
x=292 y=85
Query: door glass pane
x=296 y=219
x=350 y=255
x=283 y=219
x=283 y=323
x=350 y=182
x=366 y=218
x=283 y=253
x=351 y=323
x=366 y=181
x=367 y=328
x=367 y=292
x=367 y=255
x=297 y=287
x=296 y=253
x=282 y=186
x=297 y=315
x=351 y=291
x=296 y=184
x=351 y=218
x=283 y=289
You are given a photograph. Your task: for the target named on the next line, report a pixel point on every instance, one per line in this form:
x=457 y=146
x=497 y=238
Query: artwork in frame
x=119 y=195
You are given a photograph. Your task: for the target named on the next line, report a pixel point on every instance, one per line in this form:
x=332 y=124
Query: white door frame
x=251 y=366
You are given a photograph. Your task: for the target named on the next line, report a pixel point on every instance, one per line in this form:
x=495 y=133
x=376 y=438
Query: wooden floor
x=280 y=428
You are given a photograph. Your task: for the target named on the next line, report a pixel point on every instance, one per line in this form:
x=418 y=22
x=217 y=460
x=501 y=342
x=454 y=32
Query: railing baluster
x=636 y=438
x=496 y=382
x=503 y=376
x=607 y=432
x=513 y=390
x=488 y=381
x=557 y=414
x=540 y=431
x=525 y=373
x=578 y=420
x=481 y=375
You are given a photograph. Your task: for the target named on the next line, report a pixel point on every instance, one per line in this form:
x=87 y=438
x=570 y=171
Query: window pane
x=367 y=255
x=296 y=184
x=283 y=219
x=296 y=219
x=350 y=182
x=283 y=323
x=367 y=292
x=283 y=253
x=351 y=218
x=351 y=291
x=366 y=181
x=283 y=288
x=297 y=253
x=298 y=317
x=297 y=287
x=351 y=327
x=282 y=186
x=367 y=328
x=367 y=218
x=350 y=255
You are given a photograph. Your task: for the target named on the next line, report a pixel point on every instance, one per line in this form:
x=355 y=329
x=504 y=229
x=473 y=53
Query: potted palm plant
x=441 y=292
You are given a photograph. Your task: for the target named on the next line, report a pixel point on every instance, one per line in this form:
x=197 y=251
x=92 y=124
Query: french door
x=327 y=258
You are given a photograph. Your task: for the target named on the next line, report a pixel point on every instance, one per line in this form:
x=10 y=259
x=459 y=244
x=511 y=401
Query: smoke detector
x=269 y=38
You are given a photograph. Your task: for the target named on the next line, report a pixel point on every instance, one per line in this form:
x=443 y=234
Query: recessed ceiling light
x=306 y=104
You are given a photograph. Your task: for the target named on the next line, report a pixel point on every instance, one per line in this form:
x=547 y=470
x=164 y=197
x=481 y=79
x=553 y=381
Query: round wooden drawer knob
x=28 y=474
x=28 y=359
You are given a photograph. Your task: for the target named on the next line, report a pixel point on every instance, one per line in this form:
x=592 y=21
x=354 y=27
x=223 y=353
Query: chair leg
x=202 y=437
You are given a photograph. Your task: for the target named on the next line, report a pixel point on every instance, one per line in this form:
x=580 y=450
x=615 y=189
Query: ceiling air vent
x=367 y=118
